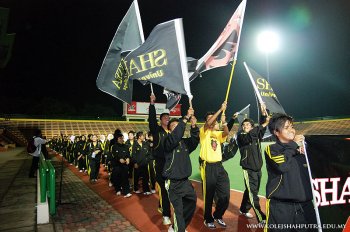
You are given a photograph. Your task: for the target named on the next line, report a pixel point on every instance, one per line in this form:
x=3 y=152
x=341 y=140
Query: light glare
x=268 y=41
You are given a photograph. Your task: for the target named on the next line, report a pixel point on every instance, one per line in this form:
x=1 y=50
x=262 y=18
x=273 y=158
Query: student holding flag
x=288 y=189
x=159 y=132
x=178 y=169
x=214 y=176
x=249 y=143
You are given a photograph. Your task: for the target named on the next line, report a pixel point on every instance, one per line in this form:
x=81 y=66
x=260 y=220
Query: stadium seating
x=52 y=127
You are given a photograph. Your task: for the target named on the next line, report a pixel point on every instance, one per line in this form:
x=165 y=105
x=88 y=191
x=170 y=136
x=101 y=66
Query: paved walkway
x=80 y=209
x=17 y=192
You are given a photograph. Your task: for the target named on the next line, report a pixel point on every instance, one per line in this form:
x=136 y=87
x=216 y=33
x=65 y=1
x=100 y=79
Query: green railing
x=47 y=183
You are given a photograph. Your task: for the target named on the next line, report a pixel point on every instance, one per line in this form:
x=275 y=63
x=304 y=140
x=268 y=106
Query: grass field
x=233 y=169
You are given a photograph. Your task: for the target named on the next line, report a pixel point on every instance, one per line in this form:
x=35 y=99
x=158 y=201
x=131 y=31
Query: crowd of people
x=161 y=156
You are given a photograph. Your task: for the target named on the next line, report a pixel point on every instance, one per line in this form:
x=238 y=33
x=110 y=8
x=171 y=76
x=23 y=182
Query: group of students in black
x=163 y=158
x=126 y=162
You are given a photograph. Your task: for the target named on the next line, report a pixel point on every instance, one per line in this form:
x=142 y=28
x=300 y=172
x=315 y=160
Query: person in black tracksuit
x=151 y=171
x=288 y=189
x=140 y=158
x=178 y=168
x=120 y=159
x=94 y=150
x=159 y=133
x=81 y=145
x=249 y=143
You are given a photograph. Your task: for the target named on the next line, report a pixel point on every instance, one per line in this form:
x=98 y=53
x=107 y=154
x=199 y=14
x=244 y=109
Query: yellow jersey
x=211 y=141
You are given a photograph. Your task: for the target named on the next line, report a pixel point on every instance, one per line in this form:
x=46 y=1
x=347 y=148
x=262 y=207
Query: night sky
x=60 y=46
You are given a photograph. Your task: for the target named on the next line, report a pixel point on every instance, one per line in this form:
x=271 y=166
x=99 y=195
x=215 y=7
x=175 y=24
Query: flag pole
x=152 y=89
x=229 y=82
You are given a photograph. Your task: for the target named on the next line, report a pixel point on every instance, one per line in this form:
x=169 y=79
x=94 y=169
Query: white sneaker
x=247 y=215
x=171 y=229
x=138 y=191
x=118 y=193
x=147 y=193
x=128 y=195
x=166 y=220
x=110 y=184
x=153 y=191
x=80 y=170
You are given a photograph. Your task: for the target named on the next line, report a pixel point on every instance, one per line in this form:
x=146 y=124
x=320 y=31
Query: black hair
x=163 y=114
x=37 y=132
x=138 y=134
x=149 y=133
x=117 y=132
x=117 y=136
x=207 y=114
x=277 y=122
x=132 y=132
x=171 y=121
x=251 y=121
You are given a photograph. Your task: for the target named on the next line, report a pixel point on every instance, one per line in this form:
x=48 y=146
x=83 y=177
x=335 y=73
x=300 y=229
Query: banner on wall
x=329 y=160
x=141 y=108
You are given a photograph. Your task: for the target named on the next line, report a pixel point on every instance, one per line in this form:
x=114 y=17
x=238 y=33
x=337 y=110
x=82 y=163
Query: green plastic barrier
x=47 y=183
x=43 y=170
x=51 y=188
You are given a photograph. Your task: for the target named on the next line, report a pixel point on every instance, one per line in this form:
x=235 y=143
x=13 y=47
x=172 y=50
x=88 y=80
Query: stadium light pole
x=268 y=42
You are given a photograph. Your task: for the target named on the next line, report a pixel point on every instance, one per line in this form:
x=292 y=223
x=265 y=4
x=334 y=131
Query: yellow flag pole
x=229 y=82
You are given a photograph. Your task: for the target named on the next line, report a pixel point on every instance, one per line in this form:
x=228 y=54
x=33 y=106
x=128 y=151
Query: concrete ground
x=78 y=209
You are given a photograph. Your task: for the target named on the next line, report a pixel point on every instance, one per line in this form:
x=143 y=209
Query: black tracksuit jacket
x=119 y=151
x=288 y=177
x=177 y=150
x=159 y=135
x=250 y=148
x=141 y=154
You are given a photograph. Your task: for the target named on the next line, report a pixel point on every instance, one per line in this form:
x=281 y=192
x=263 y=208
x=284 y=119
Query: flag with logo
x=264 y=91
x=112 y=78
x=225 y=48
x=172 y=97
x=243 y=114
x=161 y=59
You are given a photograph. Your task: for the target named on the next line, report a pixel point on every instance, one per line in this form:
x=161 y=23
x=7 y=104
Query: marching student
x=94 y=153
x=151 y=171
x=140 y=157
x=214 y=176
x=159 y=133
x=130 y=142
x=103 y=141
x=131 y=139
x=249 y=143
x=288 y=188
x=178 y=168
x=120 y=159
x=81 y=146
x=75 y=151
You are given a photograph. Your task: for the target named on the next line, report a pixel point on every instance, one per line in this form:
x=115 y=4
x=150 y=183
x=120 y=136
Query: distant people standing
x=94 y=154
x=44 y=150
x=140 y=157
x=38 y=141
x=81 y=151
x=151 y=171
x=120 y=159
